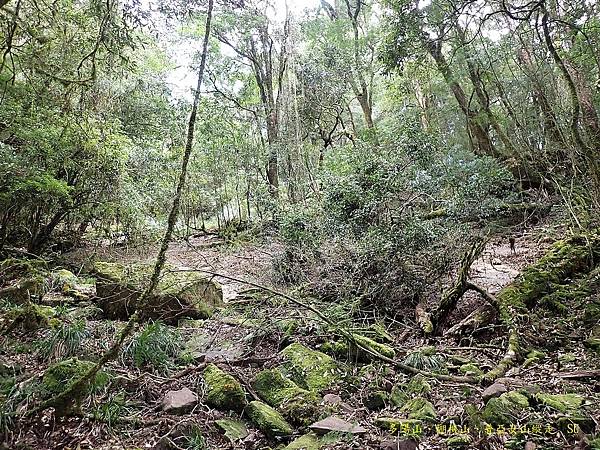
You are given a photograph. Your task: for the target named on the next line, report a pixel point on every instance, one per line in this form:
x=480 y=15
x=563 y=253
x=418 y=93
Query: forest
x=300 y=224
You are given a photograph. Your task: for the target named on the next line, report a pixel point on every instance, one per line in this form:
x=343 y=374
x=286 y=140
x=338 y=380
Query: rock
x=560 y=402
x=459 y=441
x=375 y=400
x=64 y=280
x=530 y=445
x=398 y=396
x=179 y=402
x=267 y=419
x=419 y=409
x=235 y=430
x=332 y=399
x=61 y=375
x=495 y=390
x=333 y=423
x=310 y=369
x=418 y=385
x=223 y=391
x=471 y=369
x=297 y=404
x=178 y=294
x=309 y=441
x=505 y=409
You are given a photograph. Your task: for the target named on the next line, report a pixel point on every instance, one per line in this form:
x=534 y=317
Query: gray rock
x=495 y=390
x=333 y=423
x=179 y=402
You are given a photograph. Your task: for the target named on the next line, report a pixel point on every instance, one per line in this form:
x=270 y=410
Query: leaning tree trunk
x=64 y=401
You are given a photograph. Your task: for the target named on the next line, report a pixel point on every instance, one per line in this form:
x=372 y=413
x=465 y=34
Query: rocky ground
x=262 y=372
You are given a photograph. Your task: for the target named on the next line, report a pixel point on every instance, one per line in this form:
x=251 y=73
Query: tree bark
x=483 y=144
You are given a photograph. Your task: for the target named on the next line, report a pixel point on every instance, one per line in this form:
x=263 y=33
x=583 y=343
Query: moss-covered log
x=564 y=260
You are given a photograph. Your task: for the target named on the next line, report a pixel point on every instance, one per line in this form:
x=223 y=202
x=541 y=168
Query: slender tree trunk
x=589 y=153
x=63 y=400
x=483 y=142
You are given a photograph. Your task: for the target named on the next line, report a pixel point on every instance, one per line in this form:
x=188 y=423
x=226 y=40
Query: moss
x=297 y=404
x=64 y=280
x=595 y=444
x=267 y=419
x=420 y=409
x=567 y=358
x=378 y=347
x=505 y=409
x=178 y=294
x=560 y=402
x=418 y=385
x=459 y=441
x=309 y=441
x=61 y=375
x=471 y=369
x=309 y=368
x=591 y=314
x=222 y=390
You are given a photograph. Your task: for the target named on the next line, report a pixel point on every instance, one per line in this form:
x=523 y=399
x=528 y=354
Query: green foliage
x=154 y=347
x=63 y=341
x=112 y=410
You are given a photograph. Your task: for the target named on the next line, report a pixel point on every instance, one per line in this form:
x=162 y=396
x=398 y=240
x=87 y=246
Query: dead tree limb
x=453 y=294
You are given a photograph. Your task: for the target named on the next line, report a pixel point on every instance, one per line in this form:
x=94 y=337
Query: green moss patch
x=310 y=369
x=505 y=409
x=560 y=402
x=297 y=404
x=223 y=391
x=267 y=419
x=419 y=409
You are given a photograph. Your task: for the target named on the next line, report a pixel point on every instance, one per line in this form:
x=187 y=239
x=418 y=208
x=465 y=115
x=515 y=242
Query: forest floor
x=247 y=336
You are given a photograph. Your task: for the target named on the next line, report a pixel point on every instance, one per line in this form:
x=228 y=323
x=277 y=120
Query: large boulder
x=178 y=294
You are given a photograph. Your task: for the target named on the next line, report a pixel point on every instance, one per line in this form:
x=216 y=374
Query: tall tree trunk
x=483 y=143
x=482 y=97
x=590 y=154
x=75 y=389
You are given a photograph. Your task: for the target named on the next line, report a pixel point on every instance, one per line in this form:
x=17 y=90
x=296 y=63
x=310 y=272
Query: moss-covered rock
x=471 y=369
x=61 y=375
x=178 y=294
x=560 y=402
x=593 y=344
x=297 y=404
x=310 y=369
x=420 y=409
x=223 y=391
x=459 y=441
x=267 y=419
x=505 y=409
x=234 y=429
x=309 y=441
x=573 y=423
